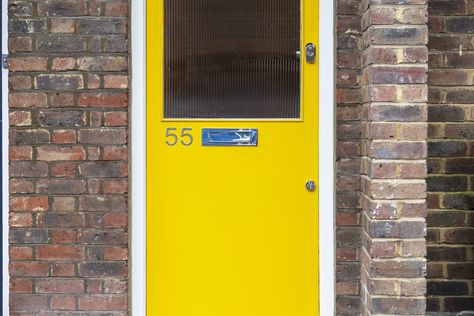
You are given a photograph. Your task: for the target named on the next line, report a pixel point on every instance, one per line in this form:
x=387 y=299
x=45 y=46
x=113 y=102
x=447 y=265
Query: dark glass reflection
x=232 y=59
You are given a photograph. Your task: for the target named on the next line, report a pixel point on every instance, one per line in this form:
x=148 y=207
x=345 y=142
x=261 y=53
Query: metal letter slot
x=310 y=50
x=229 y=137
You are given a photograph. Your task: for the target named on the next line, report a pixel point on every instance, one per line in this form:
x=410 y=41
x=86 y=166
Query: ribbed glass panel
x=232 y=59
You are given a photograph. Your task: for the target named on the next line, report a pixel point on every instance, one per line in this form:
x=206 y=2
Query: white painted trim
x=4 y=158
x=326 y=159
x=327 y=273
x=138 y=158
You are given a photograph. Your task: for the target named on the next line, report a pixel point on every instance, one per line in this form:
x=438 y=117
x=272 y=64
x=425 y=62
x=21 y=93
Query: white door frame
x=5 y=286
x=326 y=158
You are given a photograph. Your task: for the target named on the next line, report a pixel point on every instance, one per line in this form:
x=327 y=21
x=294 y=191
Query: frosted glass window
x=232 y=59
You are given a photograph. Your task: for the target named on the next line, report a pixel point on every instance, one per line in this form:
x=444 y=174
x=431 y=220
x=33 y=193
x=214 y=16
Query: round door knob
x=310 y=185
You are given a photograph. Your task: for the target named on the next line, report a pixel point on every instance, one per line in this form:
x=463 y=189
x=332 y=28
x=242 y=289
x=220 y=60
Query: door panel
x=231 y=230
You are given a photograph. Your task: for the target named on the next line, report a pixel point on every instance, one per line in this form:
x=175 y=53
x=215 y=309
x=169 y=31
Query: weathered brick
x=53 y=153
x=28 y=236
x=62 y=8
x=102 y=26
x=61 y=186
x=29 y=203
x=59 y=252
x=60 y=220
x=59 y=286
x=104 y=303
x=103 y=136
x=59 y=82
x=103 y=269
x=60 y=44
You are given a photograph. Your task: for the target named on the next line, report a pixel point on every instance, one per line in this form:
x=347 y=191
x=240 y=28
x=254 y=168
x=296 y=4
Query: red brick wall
x=68 y=170
x=348 y=148
x=451 y=156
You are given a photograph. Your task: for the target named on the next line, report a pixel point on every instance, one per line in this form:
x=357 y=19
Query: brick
x=28 y=169
x=103 y=269
x=20 y=220
x=60 y=220
x=103 y=136
x=33 y=303
x=63 y=302
x=64 y=136
x=115 y=119
x=62 y=236
x=20 y=44
x=59 y=286
x=63 y=269
x=103 y=169
x=27 y=100
x=59 y=252
x=28 y=236
x=63 y=26
x=62 y=8
x=460 y=270
x=97 y=237
x=20 y=118
x=18 y=186
x=402 y=306
x=63 y=63
x=447 y=149
x=105 y=303
x=441 y=253
x=62 y=99
x=443 y=7
x=59 y=82
x=19 y=82
x=102 y=26
x=115 y=220
x=115 y=186
x=61 y=203
x=115 y=286
x=116 y=8
x=459 y=236
x=23 y=269
x=398 y=150
x=30 y=204
x=416 y=35
x=54 y=153
x=21 y=286
x=447 y=183
x=103 y=63
x=460 y=165
x=60 y=44
x=26 y=26
x=61 y=186
x=397 y=113
x=20 y=9
x=20 y=153
x=453 y=304
x=397 y=229
x=64 y=169
x=116 y=44
x=115 y=253
x=445 y=219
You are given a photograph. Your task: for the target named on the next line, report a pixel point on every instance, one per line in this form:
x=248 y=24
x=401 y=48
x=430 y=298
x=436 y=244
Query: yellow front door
x=232 y=154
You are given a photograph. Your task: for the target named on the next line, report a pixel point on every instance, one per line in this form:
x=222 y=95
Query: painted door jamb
x=138 y=158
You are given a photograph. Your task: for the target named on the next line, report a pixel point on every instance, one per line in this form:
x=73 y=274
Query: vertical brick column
x=348 y=158
x=394 y=89
x=68 y=157
x=451 y=157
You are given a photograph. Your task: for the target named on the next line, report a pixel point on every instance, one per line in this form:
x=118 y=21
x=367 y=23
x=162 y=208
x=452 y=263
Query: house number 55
x=185 y=138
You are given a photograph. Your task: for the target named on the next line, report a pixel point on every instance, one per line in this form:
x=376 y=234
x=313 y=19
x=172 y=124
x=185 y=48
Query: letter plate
x=229 y=137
